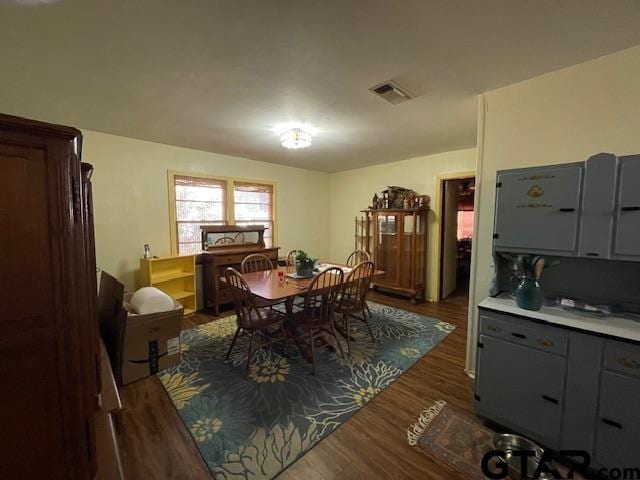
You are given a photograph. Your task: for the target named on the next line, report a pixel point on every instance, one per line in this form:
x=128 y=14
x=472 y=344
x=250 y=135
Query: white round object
x=151 y=300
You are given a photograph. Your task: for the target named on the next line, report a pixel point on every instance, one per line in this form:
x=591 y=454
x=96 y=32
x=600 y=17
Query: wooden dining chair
x=252 y=320
x=239 y=238
x=291 y=258
x=358 y=256
x=353 y=298
x=224 y=241
x=317 y=314
x=256 y=262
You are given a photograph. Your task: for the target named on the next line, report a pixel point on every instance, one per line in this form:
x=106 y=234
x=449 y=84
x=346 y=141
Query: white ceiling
x=217 y=75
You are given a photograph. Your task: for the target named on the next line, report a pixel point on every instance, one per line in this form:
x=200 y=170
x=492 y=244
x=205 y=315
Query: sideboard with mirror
x=226 y=246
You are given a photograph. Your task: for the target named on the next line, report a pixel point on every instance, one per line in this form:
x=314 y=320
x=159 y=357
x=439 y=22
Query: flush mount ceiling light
x=295 y=135
x=295 y=138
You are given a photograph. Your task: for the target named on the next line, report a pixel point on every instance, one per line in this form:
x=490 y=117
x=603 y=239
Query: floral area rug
x=255 y=427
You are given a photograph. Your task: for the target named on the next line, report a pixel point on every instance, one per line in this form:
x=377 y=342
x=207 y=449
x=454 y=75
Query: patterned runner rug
x=454 y=436
x=255 y=427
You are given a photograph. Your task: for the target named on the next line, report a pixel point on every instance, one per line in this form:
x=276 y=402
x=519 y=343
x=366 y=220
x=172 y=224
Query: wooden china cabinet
x=49 y=357
x=397 y=241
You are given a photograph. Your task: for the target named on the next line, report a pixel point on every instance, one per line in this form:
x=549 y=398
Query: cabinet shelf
x=181 y=295
x=157 y=278
x=175 y=276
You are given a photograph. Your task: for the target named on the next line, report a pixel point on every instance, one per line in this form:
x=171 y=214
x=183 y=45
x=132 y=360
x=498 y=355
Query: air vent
x=391 y=92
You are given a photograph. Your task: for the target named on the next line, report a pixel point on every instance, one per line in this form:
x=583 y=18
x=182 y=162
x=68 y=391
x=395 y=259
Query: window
x=253 y=205
x=201 y=200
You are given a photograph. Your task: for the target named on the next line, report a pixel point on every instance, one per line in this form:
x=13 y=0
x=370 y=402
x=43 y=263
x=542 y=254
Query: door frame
x=440 y=179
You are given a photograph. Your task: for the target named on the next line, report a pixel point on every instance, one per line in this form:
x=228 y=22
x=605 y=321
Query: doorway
x=456 y=234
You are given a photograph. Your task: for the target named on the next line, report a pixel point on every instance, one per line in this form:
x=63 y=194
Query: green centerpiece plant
x=305 y=264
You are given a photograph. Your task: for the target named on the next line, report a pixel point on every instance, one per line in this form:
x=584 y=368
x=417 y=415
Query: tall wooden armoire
x=397 y=241
x=49 y=360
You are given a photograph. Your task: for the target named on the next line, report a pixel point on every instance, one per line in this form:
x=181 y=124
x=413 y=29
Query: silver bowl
x=508 y=442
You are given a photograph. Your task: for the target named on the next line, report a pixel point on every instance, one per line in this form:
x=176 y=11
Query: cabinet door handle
x=628 y=363
x=518 y=335
x=550 y=399
x=612 y=423
x=630 y=209
x=566 y=209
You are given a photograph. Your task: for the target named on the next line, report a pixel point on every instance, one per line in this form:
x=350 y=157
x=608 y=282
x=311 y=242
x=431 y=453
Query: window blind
x=199 y=201
x=253 y=205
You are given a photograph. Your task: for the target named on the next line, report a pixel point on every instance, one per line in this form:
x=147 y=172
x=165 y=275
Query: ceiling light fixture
x=295 y=138
x=295 y=135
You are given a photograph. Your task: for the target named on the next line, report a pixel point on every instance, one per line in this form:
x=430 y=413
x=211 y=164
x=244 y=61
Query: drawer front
x=524 y=332
x=235 y=258
x=622 y=357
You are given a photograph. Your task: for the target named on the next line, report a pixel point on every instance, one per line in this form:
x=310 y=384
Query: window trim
x=230 y=201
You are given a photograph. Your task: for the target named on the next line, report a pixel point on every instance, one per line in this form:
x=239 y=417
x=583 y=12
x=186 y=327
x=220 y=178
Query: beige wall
x=560 y=117
x=352 y=191
x=131 y=203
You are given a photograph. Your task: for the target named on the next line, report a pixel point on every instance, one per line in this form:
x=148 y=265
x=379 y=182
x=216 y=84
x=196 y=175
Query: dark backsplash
x=587 y=280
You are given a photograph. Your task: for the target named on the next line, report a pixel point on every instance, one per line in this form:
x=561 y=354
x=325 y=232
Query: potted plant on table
x=305 y=264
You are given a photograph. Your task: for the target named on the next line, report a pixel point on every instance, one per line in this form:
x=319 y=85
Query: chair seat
x=306 y=318
x=349 y=305
x=263 y=303
x=269 y=318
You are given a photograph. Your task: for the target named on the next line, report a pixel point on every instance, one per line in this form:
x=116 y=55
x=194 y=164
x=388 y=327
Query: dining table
x=267 y=285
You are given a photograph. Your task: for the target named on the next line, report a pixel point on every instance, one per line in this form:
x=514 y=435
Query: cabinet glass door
x=387 y=248
x=538 y=209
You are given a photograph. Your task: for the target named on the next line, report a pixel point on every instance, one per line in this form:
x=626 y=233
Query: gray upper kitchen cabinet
x=538 y=208
x=627 y=232
x=598 y=206
x=521 y=388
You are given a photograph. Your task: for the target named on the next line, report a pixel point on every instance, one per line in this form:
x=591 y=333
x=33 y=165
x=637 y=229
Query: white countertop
x=615 y=326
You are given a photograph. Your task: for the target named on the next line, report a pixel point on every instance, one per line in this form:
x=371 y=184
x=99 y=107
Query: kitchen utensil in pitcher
x=529 y=291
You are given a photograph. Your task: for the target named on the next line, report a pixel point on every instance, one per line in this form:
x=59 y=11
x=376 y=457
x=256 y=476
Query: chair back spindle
x=256 y=262
x=243 y=301
x=322 y=296
x=224 y=241
x=356 y=286
x=358 y=256
x=291 y=258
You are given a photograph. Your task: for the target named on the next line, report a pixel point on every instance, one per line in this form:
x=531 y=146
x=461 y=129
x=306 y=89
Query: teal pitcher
x=529 y=292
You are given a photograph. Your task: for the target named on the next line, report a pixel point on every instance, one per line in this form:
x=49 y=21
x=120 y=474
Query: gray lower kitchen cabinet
x=521 y=387
x=618 y=425
x=538 y=208
x=627 y=232
x=563 y=388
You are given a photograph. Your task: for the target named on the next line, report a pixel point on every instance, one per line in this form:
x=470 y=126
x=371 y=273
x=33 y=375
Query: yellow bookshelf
x=175 y=276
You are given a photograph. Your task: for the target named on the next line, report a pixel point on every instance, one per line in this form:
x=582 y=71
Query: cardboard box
x=151 y=342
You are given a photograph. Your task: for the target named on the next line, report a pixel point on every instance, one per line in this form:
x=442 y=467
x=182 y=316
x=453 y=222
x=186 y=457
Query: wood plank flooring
x=372 y=444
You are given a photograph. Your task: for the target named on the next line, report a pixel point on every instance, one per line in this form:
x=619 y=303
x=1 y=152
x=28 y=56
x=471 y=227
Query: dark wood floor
x=156 y=445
